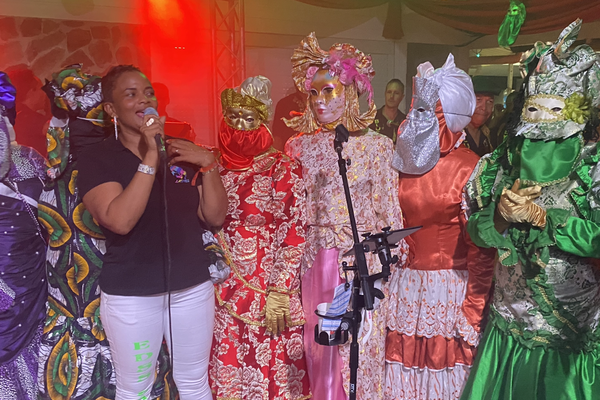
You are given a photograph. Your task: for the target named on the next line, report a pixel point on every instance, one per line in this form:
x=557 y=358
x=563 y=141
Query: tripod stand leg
x=353 y=370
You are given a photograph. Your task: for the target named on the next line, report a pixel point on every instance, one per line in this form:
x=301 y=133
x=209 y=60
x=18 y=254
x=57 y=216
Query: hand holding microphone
x=153 y=130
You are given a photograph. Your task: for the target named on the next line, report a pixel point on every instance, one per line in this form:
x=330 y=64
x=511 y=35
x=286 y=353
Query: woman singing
x=121 y=183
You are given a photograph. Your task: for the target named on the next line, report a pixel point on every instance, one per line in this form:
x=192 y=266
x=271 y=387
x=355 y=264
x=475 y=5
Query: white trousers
x=135 y=326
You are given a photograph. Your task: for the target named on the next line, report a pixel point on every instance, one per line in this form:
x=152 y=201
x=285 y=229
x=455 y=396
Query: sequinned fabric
x=543 y=338
x=28 y=164
x=22 y=274
x=374 y=191
x=264 y=235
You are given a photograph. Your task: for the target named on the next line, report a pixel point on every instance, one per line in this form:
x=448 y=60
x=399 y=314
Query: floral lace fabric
x=264 y=236
x=410 y=296
x=373 y=187
x=404 y=383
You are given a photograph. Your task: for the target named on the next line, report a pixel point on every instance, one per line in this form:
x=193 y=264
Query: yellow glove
x=516 y=205
x=277 y=312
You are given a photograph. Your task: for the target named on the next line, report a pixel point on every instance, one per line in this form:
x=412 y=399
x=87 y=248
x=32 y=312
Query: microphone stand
x=363 y=284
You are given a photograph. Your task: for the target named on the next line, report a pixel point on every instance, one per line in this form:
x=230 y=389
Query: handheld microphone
x=341 y=136
x=160 y=144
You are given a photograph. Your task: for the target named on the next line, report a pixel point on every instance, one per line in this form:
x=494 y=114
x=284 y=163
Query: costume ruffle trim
x=429 y=304
x=404 y=383
x=434 y=353
x=509 y=366
x=537 y=242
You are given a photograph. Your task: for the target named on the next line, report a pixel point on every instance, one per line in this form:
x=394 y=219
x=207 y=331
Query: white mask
x=543 y=108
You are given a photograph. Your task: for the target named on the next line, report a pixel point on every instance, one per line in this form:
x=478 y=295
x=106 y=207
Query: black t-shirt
x=484 y=146
x=382 y=125
x=135 y=263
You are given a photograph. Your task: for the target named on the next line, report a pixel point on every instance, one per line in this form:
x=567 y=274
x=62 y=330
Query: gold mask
x=245 y=110
x=327 y=97
x=242 y=119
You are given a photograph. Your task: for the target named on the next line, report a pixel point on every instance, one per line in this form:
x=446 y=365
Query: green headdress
x=564 y=84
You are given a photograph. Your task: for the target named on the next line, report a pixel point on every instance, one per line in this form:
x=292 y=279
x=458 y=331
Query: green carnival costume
x=75 y=361
x=543 y=338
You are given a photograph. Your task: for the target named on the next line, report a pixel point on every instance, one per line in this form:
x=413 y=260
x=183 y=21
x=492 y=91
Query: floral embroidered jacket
x=264 y=233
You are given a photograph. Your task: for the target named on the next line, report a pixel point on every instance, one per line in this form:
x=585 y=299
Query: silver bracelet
x=146 y=169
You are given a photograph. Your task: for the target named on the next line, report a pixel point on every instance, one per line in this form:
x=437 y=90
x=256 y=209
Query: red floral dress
x=264 y=234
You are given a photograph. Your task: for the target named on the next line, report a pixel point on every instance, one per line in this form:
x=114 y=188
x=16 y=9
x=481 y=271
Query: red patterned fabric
x=264 y=234
x=238 y=148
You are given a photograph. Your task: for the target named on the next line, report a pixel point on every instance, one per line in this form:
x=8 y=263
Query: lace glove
x=516 y=205
x=277 y=312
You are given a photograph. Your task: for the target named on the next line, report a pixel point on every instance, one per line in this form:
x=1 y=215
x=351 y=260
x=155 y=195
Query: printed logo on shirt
x=180 y=174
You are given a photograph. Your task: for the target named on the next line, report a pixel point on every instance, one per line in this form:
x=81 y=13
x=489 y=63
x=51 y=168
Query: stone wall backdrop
x=46 y=45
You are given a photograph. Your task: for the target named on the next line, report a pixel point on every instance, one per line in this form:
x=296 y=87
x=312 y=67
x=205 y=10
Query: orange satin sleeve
x=480 y=264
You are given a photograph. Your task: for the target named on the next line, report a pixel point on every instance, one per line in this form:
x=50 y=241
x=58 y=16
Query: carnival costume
x=75 y=360
x=437 y=301
x=258 y=350
x=22 y=257
x=537 y=201
x=345 y=73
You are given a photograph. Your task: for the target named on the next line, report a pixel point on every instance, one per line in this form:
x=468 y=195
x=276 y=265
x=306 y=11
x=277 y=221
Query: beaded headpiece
x=571 y=76
x=254 y=94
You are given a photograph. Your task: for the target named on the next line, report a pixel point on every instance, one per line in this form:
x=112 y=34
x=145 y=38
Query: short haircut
x=396 y=81
x=109 y=81
x=484 y=93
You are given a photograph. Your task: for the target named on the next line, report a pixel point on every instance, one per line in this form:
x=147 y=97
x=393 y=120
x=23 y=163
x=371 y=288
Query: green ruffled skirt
x=504 y=369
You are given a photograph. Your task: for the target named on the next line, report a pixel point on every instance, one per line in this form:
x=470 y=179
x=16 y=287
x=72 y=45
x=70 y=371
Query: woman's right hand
x=152 y=126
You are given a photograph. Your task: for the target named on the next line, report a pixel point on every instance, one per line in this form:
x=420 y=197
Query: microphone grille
x=150 y=111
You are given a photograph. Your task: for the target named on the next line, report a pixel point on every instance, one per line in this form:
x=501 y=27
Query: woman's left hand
x=185 y=151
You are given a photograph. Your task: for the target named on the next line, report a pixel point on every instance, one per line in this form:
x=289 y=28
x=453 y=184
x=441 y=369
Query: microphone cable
x=168 y=254
x=167 y=246
x=165 y=225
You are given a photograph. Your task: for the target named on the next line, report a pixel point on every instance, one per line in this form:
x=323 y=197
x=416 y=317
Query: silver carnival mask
x=418 y=143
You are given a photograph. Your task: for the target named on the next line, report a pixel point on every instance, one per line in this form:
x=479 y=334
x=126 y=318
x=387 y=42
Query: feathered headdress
x=355 y=71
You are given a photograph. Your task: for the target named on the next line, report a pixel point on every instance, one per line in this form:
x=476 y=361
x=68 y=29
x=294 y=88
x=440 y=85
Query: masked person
x=258 y=349
x=332 y=81
x=437 y=301
x=75 y=360
x=537 y=202
x=22 y=257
